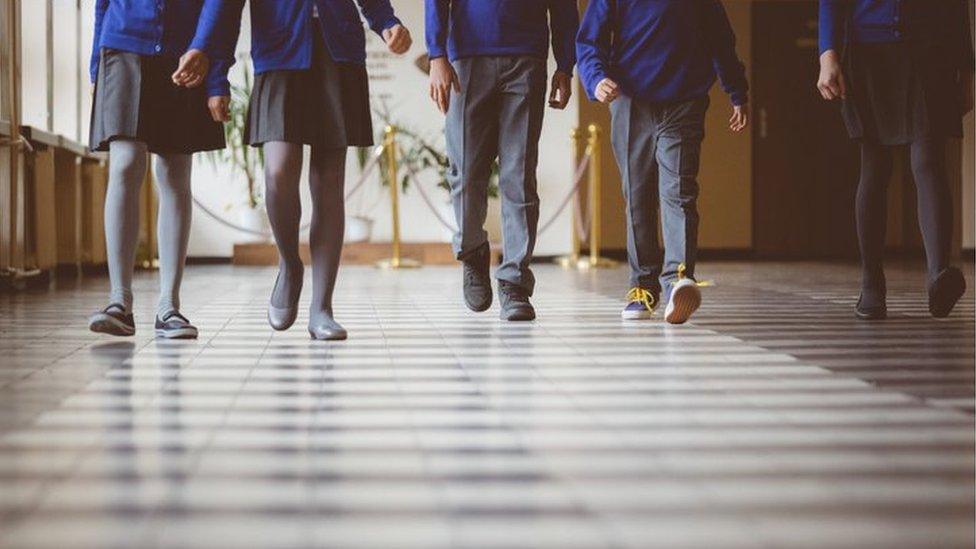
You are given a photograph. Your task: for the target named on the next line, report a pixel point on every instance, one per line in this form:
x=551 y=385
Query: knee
x=682 y=192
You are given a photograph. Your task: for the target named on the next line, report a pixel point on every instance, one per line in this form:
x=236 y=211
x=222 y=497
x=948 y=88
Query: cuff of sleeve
x=566 y=68
x=199 y=44
x=433 y=52
x=740 y=99
x=388 y=24
x=218 y=89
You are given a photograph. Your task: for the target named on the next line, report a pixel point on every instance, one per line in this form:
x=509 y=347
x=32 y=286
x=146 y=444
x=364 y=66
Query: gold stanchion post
x=395 y=262
x=572 y=260
x=595 y=261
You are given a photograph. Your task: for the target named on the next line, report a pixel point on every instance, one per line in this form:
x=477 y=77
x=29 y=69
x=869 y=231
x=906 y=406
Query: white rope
x=423 y=194
x=573 y=193
x=375 y=155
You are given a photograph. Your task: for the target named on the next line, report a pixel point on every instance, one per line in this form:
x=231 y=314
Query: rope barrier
x=412 y=173
x=374 y=159
x=574 y=192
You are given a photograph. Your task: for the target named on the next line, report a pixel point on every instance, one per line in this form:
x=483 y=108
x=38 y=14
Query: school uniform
x=665 y=56
x=499 y=49
x=309 y=56
x=902 y=60
x=136 y=48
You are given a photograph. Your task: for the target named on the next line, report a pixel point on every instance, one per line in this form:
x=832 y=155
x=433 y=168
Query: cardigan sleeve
x=831 y=26
x=101 y=6
x=593 y=45
x=437 y=14
x=564 y=24
x=379 y=15
x=731 y=72
x=222 y=29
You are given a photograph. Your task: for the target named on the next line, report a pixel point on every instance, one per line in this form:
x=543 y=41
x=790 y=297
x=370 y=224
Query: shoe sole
x=946 y=292
x=685 y=301
x=104 y=324
x=181 y=333
x=636 y=315
x=883 y=315
x=330 y=337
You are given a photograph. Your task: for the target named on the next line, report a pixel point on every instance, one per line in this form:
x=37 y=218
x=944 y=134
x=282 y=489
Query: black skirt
x=900 y=92
x=136 y=99
x=325 y=105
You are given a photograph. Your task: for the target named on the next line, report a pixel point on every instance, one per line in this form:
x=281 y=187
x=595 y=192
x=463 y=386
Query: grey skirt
x=325 y=105
x=900 y=92
x=136 y=99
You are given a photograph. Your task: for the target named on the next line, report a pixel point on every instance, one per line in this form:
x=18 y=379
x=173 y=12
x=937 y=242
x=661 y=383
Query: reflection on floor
x=774 y=420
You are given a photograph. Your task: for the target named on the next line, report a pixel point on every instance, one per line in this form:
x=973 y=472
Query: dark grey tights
x=283 y=169
x=934 y=209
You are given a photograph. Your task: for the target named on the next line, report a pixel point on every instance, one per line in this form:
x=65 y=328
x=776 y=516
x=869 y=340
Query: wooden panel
x=43 y=239
x=359 y=253
x=94 y=177
x=67 y=177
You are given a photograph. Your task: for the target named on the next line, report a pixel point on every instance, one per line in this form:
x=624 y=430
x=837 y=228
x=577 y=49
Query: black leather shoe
x=514 y=301
x=112 y=320
x=872 y=311
x=477 y=279
x=945 y=291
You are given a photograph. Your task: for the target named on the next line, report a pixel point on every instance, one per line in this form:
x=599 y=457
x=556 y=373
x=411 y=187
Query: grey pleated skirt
x=136 y=99
x=325 y=105
x=901 y=92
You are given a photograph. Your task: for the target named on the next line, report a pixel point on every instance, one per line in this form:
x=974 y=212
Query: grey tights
x=283 y=169
x=127 y=171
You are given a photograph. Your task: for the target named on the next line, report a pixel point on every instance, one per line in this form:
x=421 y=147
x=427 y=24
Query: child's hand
x=219 y=108
x=442 y=80
x=831 y=81
x=740 y=118
x=562 y=90
x=397 y=39
x=193 y=68
x=607 y=91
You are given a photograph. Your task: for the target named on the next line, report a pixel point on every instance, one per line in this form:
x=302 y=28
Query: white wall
x=398 y=82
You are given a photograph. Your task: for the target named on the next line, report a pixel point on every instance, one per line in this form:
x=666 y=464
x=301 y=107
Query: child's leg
x=934 y=202
x=127 y=169
x=327 y=182
x=678 y=157
x=872 y=218
x=283 y=170
x=173 y=226
x=634 y=139
x=522 y=107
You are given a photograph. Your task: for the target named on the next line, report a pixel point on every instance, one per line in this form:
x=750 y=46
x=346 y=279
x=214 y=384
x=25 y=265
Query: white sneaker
x=685 y=300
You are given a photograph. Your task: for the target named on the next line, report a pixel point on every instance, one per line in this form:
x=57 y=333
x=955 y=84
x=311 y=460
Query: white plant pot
x=254 y=219
x=358 y=229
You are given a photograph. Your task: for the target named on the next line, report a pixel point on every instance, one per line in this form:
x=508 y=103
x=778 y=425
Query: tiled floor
x=774 y=420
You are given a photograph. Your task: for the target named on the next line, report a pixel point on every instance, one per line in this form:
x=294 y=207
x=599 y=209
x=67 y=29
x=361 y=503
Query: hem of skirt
x=103 y=146
x=352 y=143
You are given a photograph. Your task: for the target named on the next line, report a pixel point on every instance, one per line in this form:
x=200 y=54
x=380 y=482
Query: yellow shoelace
x=642 y=296
x=701 y=284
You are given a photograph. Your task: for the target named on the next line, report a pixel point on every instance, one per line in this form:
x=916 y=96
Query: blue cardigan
x=944 y=22
x=160 y=27
x=281 y=30
x=660 y=50
x=472 y=28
